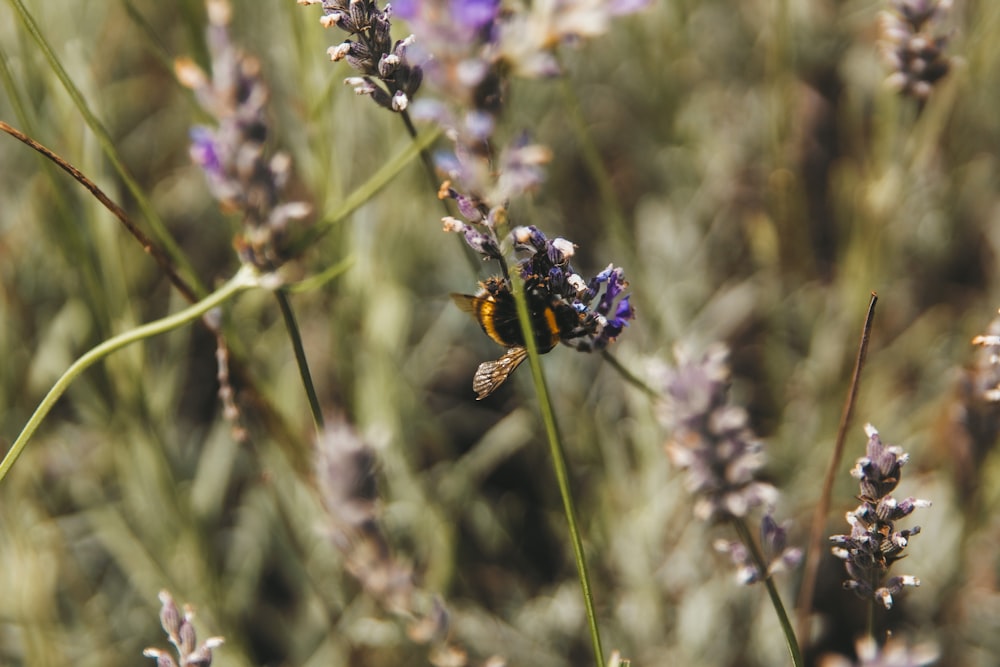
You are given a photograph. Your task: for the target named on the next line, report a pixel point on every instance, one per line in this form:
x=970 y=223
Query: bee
x=494 y=308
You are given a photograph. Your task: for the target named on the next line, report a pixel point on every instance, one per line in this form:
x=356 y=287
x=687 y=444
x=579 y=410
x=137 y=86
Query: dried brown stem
x=813 y=552
x=147 y=244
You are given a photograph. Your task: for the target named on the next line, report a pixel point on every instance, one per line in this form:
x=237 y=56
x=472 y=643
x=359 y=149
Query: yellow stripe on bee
x=486 y=309
x=550 y=319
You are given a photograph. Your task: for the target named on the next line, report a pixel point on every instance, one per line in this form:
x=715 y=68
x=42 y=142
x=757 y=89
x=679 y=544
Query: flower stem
x=245 y=278
x=772 y=592
x=295 y=335
x=558 y=462
x=629 y=376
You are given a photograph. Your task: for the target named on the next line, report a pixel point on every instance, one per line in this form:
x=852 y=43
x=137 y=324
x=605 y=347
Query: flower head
x=388 y=75
x=180 y=632
x=910 y=46
x=240 y=172
x=602 y=308
x=585 y=315
x=711 y=439
x=874 y=543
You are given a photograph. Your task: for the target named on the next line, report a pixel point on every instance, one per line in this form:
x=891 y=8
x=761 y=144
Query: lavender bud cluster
x=371 y=51
x=711 y=440
x=180 y=631
x=874 y=543
x=345 y=477
x=910 y=46
x=240 y=172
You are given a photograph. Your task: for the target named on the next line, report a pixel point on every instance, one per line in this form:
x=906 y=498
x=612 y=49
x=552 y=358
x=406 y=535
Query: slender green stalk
x=558 y=462
x=366 y=191
x=300 y=356
x=107 y=145
x=321 y=278
x=245 y=278
x=629 y=376
x=779 y=608
x=425 y=157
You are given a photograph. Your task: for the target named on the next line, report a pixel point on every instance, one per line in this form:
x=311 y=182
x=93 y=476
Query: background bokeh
x=756 y=180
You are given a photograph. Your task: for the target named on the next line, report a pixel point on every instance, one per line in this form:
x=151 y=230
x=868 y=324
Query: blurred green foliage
x=756 y=182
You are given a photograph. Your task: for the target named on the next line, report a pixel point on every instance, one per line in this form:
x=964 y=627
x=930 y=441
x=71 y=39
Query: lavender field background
x=745 y=163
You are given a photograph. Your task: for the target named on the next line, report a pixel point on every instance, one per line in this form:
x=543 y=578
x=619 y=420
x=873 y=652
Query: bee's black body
x=495 y=310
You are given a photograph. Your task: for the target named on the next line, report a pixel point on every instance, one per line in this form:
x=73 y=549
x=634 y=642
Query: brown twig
x=152 y=250
x=226 y=393
x=813 y=552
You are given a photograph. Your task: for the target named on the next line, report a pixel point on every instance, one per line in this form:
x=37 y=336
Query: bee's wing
x=466 y=302
x=491 y=374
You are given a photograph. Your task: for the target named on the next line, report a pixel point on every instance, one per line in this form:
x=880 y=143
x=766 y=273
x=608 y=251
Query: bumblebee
x=494 y=308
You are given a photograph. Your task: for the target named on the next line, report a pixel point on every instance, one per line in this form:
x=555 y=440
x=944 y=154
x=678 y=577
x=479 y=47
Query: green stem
x=300 y=356
x=558 y=462
x=366 y=191
x=630 y=377
x=772 y=592
x=318 y=280
x=245 y=278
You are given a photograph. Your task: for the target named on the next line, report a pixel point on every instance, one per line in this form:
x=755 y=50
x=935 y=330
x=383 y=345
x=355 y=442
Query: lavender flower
x=874 y=544
x=345 y=476
x=345 y=467
x=711 y=439
x=233 y=155
x=387 y=75
x=910 y=46
x=585 y=315
x=547 y=270
x=180 y=631
x=469 y=49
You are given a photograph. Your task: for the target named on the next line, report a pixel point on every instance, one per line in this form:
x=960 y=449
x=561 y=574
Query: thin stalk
x=786 y=624
x=558 y=462
x=160 y=230
x=358 y=197
x=300 y=356
x=245 y=278
x=318 y=280
x=425 y=157
x=629 y=376
x=811 y=568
